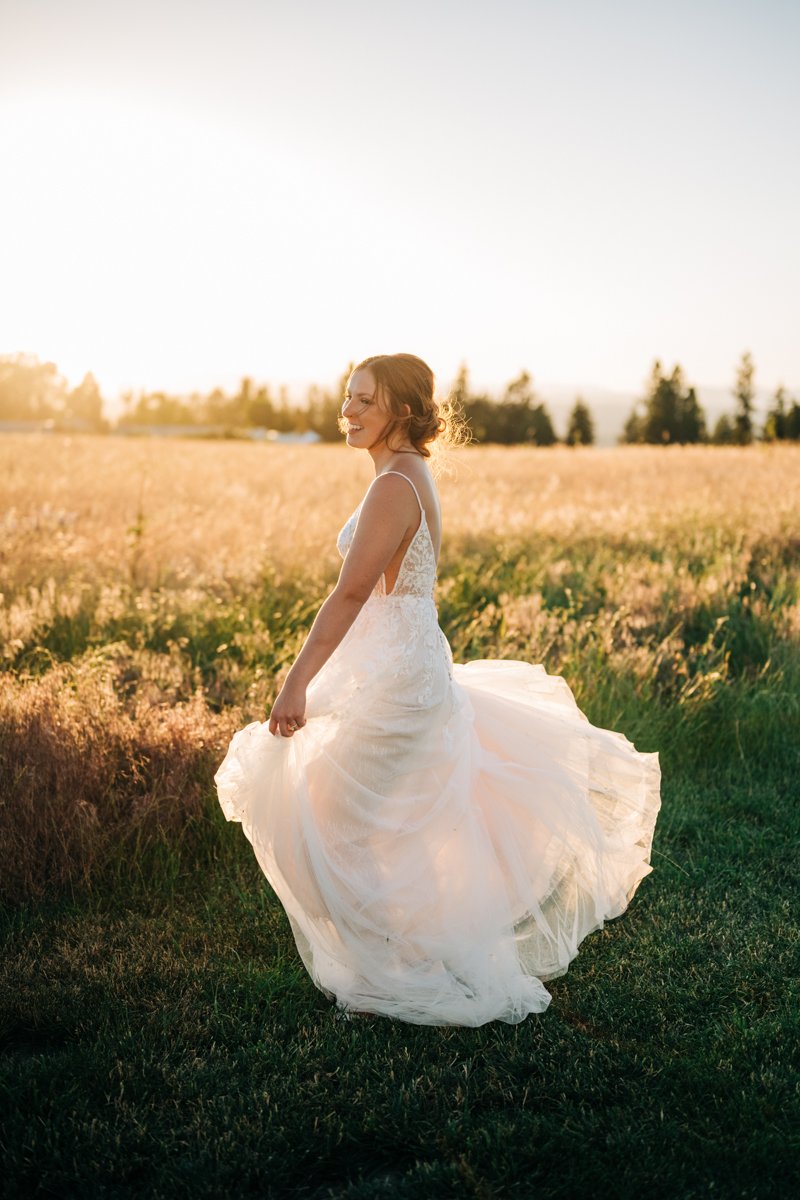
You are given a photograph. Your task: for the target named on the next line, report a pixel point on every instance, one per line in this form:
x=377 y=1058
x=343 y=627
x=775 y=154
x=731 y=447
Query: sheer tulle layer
x=441 y=837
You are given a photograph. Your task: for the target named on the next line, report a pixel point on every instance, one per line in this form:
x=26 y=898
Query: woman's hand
x=288 y=711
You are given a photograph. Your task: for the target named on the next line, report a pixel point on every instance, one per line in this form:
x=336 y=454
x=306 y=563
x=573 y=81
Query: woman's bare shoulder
x=388 y=494
x=415 y=468
x=418 y=472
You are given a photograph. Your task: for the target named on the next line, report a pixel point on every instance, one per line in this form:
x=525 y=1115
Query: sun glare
x=140 y=238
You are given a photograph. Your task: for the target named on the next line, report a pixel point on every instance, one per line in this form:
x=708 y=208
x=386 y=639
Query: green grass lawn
x=161 y=1038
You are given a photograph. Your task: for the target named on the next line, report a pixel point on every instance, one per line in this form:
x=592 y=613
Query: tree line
x=35 y=391
x=668 y=412
x=671 y=412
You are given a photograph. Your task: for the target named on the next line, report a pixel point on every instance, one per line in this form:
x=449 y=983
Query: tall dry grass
x=91 y=512
x=87 y=777
x=153 y=592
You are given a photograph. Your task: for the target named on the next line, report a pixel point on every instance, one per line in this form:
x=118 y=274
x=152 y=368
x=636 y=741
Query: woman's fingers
x=286 y=726
x=288 y=712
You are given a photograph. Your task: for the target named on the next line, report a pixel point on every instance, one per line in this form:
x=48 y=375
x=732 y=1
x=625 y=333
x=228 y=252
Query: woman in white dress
x=442 y=837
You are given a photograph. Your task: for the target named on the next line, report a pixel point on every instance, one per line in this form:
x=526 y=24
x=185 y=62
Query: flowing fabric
x=442 y=836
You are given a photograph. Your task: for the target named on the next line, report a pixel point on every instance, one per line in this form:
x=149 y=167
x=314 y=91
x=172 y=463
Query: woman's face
x=364 y=411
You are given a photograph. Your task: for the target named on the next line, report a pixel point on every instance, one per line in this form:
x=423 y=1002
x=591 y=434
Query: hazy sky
x=193 y=190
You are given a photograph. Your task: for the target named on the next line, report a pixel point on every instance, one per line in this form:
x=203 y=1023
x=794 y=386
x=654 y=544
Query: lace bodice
x=417 y=574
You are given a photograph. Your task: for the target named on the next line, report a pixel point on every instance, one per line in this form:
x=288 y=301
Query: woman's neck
x=382 y=456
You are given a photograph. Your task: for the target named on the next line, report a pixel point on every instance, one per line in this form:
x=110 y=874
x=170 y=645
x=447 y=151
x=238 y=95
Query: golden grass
x=183 y=514
x=152 y=591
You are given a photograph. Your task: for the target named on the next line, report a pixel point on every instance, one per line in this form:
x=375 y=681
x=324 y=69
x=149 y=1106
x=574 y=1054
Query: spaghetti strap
x=402 y=476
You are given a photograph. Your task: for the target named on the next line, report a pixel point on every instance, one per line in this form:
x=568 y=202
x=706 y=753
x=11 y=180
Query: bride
x=442 y=836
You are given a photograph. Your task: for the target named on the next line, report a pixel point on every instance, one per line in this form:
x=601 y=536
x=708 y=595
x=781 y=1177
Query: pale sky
x=195 y=190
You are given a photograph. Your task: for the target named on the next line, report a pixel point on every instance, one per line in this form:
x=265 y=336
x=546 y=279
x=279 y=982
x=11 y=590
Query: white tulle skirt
x=442 y=840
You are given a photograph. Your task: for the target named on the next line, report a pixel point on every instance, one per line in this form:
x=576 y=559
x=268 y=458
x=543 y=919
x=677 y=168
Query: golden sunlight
x=139 y=230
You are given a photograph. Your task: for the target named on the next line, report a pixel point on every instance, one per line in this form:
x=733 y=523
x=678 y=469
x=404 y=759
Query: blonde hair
x=404 y=379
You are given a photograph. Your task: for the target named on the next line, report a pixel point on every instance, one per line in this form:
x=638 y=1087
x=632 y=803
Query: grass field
x=160 y=1037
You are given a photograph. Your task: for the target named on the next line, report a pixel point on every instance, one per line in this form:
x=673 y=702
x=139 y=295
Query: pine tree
x=668 y=413
x=692 y=422
x=663 y=407
x=793 y=422
x=744 y=394
x=633 y=429
x=541 y=430
x=776 y=425
x=519 y=417
x=580 y=426
x=480 y=414
x=724 y=431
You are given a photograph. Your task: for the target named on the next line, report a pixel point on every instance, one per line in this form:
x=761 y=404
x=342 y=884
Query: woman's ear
x=407 y=408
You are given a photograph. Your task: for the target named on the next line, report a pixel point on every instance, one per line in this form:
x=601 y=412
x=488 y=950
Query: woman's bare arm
x=388 y=513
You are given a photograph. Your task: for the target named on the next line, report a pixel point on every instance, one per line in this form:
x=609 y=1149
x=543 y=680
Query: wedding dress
x=442 y=837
